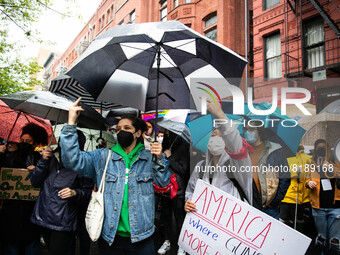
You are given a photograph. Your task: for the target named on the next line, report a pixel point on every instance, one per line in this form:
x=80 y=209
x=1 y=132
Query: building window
x=111 y=12
x=132 y=17
x=267 y=4
x=100 y=24
x=93 y=32
x=210 y=23
x=108 y=16
x=314 y=33
x=103 y=21
x=121 y=22
x=187 y=1
x=175 y=3
x=164 y=10
x=212 y=34
x=273 y=57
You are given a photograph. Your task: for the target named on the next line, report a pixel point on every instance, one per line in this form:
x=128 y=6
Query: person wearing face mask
x=225 y=148
x=176 y=151
x=270 y=186
x=148 y=135
x=20 y=235
x=129 y=192
x=325 y=198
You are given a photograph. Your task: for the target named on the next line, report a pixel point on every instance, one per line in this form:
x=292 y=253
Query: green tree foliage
x=17 y=74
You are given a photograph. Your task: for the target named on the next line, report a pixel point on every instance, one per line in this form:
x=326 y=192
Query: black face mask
x=125 y=138
x=321 y=152
x=26 y=147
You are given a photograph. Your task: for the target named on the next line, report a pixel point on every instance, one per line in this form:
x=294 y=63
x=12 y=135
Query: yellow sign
x=15 y=184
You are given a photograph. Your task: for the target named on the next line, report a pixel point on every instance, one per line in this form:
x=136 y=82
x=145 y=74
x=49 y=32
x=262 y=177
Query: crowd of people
x=140 y=164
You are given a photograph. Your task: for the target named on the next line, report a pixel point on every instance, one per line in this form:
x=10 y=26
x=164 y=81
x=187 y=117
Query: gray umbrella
x=177 y=128
x=52 y=107
x=333 y=107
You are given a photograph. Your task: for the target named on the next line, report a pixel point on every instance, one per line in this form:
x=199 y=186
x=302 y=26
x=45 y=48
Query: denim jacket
x=141 y=191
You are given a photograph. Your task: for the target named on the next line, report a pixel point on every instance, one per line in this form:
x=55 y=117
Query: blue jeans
x=273 y=212
x=15 y=248
x=123 y=246
x=327 y=222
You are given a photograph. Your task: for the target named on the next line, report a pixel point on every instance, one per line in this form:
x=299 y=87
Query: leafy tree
x=17 y=74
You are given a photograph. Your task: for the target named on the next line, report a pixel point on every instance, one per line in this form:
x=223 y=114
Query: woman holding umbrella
x=129 y=194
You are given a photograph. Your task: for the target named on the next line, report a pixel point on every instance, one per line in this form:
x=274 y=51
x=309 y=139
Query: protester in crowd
x=148 y=135
x=325 y=198
x=57 y=207
x=20 y=235
x=297 y=193
x=225 y=147
x=270 y=186
x=177 y=153
x=129 y=193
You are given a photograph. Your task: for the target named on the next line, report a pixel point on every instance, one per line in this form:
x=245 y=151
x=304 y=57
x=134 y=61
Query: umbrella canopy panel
x=321 y=126
x=12 y=122
x=66 y=86
x=53 y=107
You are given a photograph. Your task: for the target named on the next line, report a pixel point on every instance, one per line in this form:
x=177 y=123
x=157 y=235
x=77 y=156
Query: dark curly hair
x=37 y=132
x=138 y=124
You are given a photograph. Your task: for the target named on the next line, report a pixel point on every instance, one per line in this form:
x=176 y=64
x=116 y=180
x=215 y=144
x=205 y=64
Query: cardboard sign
x=223 y=224
x=15 y=184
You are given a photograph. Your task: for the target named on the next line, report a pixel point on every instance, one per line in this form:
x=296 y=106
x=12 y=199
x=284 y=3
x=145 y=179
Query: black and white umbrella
x=149 y=65
x=69 y=87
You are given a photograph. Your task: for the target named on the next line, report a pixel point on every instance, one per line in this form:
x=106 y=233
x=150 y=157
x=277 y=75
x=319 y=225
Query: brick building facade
x=221 y=20
x=296 y=44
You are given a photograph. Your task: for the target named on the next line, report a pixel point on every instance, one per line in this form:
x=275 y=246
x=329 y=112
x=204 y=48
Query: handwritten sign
x=223 y=224
x=15 y=184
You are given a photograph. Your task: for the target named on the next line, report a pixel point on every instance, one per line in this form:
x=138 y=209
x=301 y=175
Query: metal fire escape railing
x=326 y=17
x=295 y=61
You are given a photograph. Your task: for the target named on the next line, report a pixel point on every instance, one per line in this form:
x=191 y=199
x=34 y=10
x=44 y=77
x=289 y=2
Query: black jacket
x=51 y=211
x=179 y=164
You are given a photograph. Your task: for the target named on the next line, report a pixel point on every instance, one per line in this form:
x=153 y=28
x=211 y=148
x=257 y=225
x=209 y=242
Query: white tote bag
x=95 y=211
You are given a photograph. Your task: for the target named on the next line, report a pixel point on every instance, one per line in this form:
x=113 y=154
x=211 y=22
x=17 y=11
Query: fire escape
x=300 y=50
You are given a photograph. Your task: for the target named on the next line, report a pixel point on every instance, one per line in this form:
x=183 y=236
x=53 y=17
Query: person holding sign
x=323 y=176
x=62 y=193
x=129 y=192
x=227 y=154
x=18 y=232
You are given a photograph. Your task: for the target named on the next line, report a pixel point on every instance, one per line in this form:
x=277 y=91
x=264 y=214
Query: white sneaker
x=181 y=251
x=164 y=248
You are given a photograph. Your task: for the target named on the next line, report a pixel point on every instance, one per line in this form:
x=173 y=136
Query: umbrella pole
x=55 y=126
x=297 y=201
x=154 y=157
x=15 y=122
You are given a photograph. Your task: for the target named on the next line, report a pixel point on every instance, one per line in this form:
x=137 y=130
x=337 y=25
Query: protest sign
x=223 y=224
x=15 y=184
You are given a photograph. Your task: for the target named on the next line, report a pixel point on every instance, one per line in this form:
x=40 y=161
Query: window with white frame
x=175 y=3
x=164 y=11
x=187 y=1
x=132 y=17
x=314 y=33
x=270 y=3
x=273 y=57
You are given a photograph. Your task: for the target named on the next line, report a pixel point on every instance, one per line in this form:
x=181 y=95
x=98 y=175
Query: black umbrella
x=49 y=106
